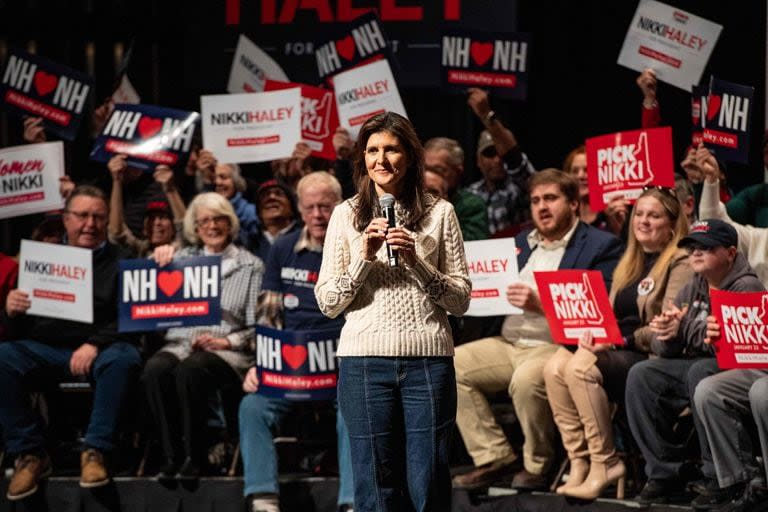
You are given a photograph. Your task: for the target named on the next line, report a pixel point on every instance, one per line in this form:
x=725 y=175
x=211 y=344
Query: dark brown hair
x=412 y=199
x=568 y=183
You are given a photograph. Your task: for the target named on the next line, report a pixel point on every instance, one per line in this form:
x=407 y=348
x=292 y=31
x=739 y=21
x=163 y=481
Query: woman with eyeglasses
x=581 y=385
x=199 y=362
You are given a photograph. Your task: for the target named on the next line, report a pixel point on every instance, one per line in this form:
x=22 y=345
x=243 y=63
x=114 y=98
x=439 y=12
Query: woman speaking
x=397 y=388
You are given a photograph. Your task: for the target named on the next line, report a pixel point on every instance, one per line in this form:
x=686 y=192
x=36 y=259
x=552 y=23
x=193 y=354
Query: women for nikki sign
x=623 y=163
x=257 y=127
x=492 y=267
x=297 y=365
x=183 y=293
x=743 y=323
x=576 y=302
x=29 y=178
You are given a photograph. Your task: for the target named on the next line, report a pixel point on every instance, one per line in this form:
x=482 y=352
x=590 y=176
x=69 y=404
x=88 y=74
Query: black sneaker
x=660 y=491
x=168 y=471
x=753 y=499
x=705 y=486
x=719 y=497
x=189 y=470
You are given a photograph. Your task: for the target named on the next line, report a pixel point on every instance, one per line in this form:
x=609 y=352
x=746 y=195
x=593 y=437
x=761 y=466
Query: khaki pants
x=491 y=365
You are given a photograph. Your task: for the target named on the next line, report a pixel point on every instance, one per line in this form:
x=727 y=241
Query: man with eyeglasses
x=659 y=389
x=51 y=349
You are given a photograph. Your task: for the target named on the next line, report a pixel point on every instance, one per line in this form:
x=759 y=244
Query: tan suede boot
x=93 y=472
x=585 y=383
x=28 y=471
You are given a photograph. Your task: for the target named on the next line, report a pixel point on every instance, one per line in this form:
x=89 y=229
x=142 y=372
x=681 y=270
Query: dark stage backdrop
x=183 y=48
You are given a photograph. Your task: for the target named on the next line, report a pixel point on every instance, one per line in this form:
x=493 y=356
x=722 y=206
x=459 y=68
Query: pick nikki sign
x=319 y=118
x=35 y=86
x=183 y=293
x=727 y=119
x=492 y=61
x=575 y=302
x=361 y=42
x=149 y=135
x=297 y=365
x=743 y=323
x=623 y=163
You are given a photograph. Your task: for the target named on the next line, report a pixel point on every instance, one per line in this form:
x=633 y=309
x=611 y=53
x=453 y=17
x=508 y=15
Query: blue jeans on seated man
x=400 y=413
x=27 y=365
x=259 y=419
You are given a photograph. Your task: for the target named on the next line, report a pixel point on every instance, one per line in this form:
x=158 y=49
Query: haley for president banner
x=492 y=266
x=251 y=68
x=35 y=86
x=148 y=134
x=29 y=178
x=297 y=365
x=183 y=293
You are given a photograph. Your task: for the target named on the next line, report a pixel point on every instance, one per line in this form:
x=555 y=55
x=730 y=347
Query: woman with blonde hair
x=580 y=385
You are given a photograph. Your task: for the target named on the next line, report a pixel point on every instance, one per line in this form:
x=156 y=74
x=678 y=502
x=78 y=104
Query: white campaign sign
x=674 y=43
x=58 y=280
x=492 y=267
x=125 y=92
x=364 y=92
x=256 y=127
x=251 y=66
x=29 y=178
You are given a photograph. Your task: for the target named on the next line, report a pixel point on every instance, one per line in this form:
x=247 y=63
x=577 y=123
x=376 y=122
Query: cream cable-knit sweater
x=397 y=311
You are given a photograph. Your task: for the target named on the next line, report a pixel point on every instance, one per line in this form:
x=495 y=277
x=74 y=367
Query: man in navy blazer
x=514 y=361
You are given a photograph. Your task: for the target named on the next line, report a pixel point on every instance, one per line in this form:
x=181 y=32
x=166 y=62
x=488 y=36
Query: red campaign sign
x=743 y=339
x=623 y=163
x=319 y=118
x=576 y=301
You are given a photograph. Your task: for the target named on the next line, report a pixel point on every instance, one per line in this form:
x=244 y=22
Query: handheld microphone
x=387 y=203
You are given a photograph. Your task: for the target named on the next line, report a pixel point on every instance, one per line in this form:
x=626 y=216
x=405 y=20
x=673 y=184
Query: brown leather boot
x=585 y=383
x=93 y=472
x=28 y=471
x=485 y=475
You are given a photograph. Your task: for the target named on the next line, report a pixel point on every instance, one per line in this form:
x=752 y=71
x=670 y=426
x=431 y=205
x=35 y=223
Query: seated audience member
x=505 y=169
x=447 y=154
x=160 y=226
x=197 y=362
x=515 y=360
x=659 y=389
x=685 y=194
x=434 y=182
x=288 y=301
x=277 y=210
x=753 y=242
x=581 y=385
x=55 y=349
x=9 y=274
x=229 y=182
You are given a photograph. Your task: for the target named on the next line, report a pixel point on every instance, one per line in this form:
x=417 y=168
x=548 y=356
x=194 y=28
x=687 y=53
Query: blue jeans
x=259 y=418
x=25 y=364
x=400 y=413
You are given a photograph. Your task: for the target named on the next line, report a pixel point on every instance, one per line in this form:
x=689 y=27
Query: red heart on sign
x=713 y=106
x=294 y=355
x=148 y=126
x=170 y=282
x=481 y=52
x=45 y=83
x=346 y=47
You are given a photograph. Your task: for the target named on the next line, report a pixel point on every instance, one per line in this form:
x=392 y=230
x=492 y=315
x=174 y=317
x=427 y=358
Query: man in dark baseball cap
x=709 y=234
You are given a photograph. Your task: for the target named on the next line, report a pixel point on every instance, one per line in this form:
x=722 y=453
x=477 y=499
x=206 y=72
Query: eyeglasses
x=98 y=218
x=218 y=219
x=691 y=248
x=323 y=208
x=667 y=190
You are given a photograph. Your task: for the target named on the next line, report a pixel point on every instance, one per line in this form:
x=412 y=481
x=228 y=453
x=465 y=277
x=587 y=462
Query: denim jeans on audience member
x=400 y=414
x=259 y=419
x=28 y=364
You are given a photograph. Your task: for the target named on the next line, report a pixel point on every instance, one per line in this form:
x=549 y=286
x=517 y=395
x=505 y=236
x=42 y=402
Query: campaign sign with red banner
x=698 y=112
x=574 y=302
x=34 y=86
x=29 y=178
x=319 y=118
x=623 y=163
x=727 y=120
x=297 y=365
x=182 y=293
x=498 y=62
x=362 y=41
x=743 y=323
x=149 y=135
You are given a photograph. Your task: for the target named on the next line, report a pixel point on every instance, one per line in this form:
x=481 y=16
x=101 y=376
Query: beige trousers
x=491 y=365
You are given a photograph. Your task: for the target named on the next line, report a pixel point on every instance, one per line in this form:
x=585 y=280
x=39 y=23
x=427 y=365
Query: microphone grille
x=386 y=200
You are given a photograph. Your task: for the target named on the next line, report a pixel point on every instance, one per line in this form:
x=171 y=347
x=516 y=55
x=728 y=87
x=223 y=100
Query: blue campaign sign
x=489 y=60
x=35 y=86
x=183 y=293
x=727 y=120
x=148 y=134
x=297 y=365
